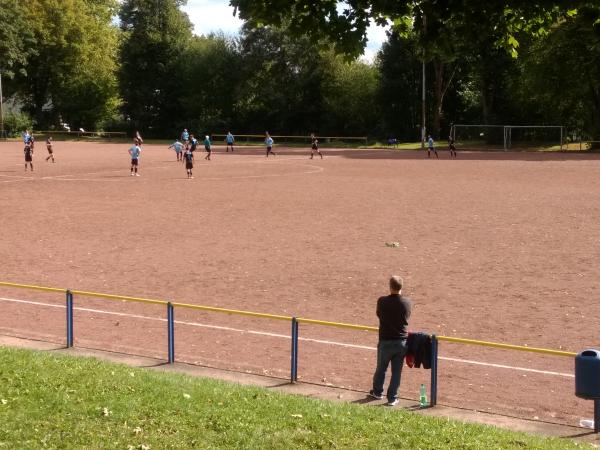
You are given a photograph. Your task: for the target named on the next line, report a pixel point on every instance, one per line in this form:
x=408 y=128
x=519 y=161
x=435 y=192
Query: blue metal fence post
x=434 y=369
x=69 y=308
x=294 y=352
x=596 y=416
x=171 y=332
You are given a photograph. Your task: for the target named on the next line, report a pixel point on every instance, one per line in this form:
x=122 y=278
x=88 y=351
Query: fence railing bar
x=506 y=346
x=120 y=297
x=337 y=324
x=32 y=287
x=282 y=317
x=232 y=311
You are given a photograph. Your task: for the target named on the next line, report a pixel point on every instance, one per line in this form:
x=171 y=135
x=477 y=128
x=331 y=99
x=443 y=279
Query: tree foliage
x=210 y=71
x=14 y=37
x=350 y=97
x=283 y=79
x=560 y=75
x=156 y=35
x=347 y=25
x=67 y=60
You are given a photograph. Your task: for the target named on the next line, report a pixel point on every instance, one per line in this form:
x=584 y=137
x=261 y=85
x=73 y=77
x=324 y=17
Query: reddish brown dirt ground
x=496 y=246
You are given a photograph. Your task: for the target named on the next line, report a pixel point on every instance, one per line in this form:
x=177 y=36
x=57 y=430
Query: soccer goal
x=506 y=137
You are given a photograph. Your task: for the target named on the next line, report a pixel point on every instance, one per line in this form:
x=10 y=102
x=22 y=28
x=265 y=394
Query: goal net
x=507 y=137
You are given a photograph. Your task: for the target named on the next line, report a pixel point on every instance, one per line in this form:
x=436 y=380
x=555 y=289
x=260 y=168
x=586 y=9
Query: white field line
x=283 y=336
x=315 y=169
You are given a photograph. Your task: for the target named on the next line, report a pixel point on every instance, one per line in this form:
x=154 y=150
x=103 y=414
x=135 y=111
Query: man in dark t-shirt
x=393 y=312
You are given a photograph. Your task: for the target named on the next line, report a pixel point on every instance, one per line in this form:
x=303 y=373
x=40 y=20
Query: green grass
x=53 y=401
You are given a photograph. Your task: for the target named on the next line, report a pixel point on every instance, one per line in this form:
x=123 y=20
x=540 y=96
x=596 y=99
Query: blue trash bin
x=587 y=374
x=587 y=380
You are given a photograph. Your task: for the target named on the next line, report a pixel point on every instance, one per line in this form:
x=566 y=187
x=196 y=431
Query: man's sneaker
x=372 y=394
x=137 y=174
x=392 y=403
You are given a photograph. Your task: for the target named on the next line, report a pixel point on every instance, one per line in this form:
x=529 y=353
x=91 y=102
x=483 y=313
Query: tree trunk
x=439 y=69
x=440 y=86
x=595 y=116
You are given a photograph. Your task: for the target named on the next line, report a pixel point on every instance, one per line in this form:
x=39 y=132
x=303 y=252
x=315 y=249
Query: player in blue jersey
x=188 y=156
x=185 y=138
x=269 y=144
x=178 y=147
x=26 y=137
x=207 y=147
x=134 y=152
x=229 y=140
x=431 y=147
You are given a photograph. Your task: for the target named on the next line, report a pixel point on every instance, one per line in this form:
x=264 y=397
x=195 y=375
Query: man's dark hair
x=396 y=283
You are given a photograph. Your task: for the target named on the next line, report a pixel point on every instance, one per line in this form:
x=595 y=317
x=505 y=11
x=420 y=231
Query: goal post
x=525 y=136
x=506 y=137
x=478 y=136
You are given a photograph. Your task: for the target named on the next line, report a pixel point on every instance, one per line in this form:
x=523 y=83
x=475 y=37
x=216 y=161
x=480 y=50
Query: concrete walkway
x=312 y=390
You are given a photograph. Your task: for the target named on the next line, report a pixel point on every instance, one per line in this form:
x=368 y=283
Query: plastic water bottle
x=423 y=397
x=586 y=423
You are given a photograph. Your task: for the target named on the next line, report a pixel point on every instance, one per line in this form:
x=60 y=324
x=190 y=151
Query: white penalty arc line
x=284 y=336
x=69 y=177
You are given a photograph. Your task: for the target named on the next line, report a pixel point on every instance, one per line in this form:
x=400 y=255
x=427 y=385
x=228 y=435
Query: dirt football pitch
x=501 y=247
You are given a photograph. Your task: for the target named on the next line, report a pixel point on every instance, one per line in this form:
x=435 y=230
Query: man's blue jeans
x=389 y=352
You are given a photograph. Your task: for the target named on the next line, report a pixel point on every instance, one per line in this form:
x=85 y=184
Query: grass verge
x=55 y=401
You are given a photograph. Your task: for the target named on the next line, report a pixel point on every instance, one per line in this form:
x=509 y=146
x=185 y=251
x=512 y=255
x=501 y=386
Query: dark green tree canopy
x=346 y=25
x=156 y=35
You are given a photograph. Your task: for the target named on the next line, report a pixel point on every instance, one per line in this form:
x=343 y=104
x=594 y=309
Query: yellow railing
x=522 y=348
x=282 y=317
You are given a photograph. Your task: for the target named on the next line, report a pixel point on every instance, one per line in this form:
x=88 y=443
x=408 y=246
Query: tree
x=210 y=69
x=14 y=37
x=559 y=77
x=156 y=36
x=71 y=74
x=347 y=27
x=399 y=93
x=350 y=98
x=282 y=82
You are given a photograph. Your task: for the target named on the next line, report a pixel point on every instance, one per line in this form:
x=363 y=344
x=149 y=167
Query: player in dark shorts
x=188 y=157
x=50 y=150
x=314 y=147
x=229 y=140
x=135 y=152
x=193 y=143
x=207 y=147
x=185 y=138
x=28 y=150
x=452 y=148
x=269 y=144
x=431 y=147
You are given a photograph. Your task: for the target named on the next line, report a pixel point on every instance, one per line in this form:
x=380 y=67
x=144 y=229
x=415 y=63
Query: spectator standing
x=393 y=312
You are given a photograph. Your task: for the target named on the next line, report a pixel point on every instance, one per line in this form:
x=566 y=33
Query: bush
x=15 y=123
